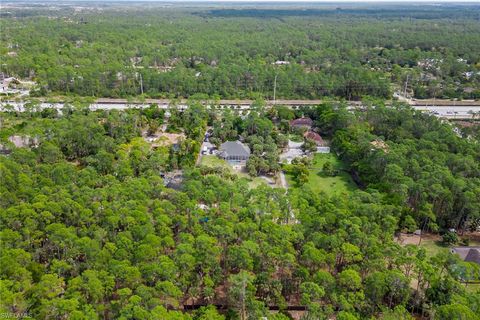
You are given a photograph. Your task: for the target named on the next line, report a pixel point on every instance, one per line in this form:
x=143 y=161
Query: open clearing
x=319 y=182
x=432 y=242
x=215 y=162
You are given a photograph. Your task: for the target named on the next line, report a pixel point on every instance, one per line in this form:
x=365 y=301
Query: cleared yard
x=472 y=287
x=295 y=137
x=320 y=182
x=215 y=162
x=433 y=246
x=431 y=242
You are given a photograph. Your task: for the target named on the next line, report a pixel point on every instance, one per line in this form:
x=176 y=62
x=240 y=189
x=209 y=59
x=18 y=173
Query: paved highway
x=440 y=108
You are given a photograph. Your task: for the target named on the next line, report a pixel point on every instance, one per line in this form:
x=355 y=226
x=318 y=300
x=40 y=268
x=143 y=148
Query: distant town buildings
x=430 y=63
x=281 y=62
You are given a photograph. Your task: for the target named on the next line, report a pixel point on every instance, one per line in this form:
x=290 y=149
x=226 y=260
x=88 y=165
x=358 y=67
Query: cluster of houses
x=430 y=63
x=307 y=124
x=470 y=74
x=236 y=153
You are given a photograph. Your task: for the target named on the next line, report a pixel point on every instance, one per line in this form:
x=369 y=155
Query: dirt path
x=283 y=180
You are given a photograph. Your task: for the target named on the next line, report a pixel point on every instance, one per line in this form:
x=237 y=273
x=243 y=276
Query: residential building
x=301 y=122
x=322 y=146
x=234 y=152
x=468 y=254
x=315 y=137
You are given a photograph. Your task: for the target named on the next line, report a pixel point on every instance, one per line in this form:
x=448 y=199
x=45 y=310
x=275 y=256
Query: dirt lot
x=163 y=139
x=407 y=238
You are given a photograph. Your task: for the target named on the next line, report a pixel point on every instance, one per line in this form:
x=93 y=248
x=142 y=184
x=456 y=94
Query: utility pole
x=405 y=89
x=141 y=84
x=242 y=297
x=275 y=88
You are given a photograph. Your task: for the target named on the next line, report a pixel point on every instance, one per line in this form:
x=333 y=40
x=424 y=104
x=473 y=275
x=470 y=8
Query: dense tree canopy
x=112 y=51
x=89 y=230
x=108 y=214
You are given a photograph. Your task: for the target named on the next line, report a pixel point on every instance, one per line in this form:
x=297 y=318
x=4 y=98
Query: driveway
x=283 y=180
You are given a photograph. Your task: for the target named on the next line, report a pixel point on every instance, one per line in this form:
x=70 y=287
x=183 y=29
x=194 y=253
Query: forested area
x=155 y=51
x=417 y=161
x=90 y=231
x=109 y=214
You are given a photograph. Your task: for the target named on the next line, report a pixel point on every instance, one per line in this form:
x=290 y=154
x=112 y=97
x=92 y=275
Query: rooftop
x=23 y=141
x=235 y=148
x=301 y=122
x=315 y=137
x=468 y=254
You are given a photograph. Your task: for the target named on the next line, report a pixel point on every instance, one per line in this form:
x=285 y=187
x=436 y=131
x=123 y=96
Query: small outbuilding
x=303 y=122
x=322 y=146
x=315 y=137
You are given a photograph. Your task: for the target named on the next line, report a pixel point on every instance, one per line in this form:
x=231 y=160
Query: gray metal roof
x=473 y=256
x=235 y=148
x=470 y=254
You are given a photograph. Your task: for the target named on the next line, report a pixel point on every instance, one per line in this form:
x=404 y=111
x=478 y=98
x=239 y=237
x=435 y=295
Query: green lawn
x=214 y=162
x=472 y=287
x=433 y=246
x=341 y=183
x=295 y=137
x=255 y=182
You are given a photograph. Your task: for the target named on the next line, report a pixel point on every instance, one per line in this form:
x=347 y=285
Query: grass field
x=432 y=243
x=433 y=246
x=295 y=137
x=472 y=287
x=319 y=182
x=214 y=162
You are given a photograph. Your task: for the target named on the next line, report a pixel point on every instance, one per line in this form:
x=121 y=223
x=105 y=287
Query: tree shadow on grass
x=441 y=244
x=337 y=174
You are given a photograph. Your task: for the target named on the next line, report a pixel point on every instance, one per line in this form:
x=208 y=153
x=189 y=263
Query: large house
x=468 y=254
x=234 y=152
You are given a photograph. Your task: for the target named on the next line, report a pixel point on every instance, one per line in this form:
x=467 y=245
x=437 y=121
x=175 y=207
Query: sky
x=319 y=1
x=269 y=1
x=298 y=0
x=359 y=1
